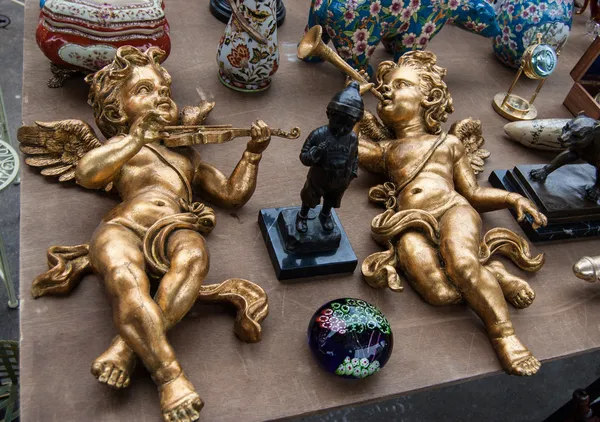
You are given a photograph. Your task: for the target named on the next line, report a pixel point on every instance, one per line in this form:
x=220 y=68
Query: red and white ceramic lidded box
x=83 y=35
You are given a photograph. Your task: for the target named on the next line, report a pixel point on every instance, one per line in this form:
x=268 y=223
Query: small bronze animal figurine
x=581 y=137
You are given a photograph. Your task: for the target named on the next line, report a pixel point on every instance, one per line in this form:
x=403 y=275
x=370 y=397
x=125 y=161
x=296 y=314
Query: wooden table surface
x=278 y=377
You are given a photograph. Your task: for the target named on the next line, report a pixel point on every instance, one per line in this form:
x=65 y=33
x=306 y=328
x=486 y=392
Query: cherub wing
x=372 y=129
x=468 y=131
x=57 y=147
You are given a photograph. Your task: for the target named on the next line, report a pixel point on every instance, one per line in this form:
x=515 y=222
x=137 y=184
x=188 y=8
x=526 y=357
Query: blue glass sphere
x=350 y=338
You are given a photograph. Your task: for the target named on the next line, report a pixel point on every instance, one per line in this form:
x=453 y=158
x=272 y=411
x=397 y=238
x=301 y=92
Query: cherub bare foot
x=516 y=291
x=514 y=357
x=115 y=365
x=179 y=401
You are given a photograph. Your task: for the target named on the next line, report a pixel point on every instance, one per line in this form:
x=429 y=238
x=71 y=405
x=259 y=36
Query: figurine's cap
x=348 y=101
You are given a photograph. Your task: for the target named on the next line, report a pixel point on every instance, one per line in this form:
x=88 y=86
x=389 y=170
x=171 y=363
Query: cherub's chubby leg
x=460 y=231
x=115 y=254
x=420 y=261
x=176 y=294
x=178 y=289
x=516 y=291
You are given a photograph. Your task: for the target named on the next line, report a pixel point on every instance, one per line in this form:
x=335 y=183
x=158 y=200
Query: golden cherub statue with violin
x=155 y=235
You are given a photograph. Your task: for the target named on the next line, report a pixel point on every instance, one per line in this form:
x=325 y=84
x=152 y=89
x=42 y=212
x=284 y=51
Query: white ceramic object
x=539 y=134
x=245 y=64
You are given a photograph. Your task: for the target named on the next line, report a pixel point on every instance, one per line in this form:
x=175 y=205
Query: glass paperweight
x=350 y=338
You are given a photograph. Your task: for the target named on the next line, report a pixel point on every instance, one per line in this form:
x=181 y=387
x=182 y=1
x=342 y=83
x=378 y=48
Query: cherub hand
x=261 y=137
x=149 y=128
x=525 y=206
x=539 y=175
x=364 y=87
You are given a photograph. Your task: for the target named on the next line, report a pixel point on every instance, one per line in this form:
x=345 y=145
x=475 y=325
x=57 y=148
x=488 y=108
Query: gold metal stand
x=538 y=62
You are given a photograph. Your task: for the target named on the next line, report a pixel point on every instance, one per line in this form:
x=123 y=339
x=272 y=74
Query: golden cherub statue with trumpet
x=156 y=233
x=431 y=227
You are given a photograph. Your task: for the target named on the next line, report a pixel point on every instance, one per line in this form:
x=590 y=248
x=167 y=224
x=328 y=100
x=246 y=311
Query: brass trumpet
x=312 y=45
x=181 y=136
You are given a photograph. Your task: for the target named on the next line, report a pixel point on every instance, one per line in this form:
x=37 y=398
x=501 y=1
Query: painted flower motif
x=415 y=4
x=396 y=7
x=428 y=28
x=375 y=8
x=360 y=48
x=99 y=63
x=275 y=67
x=470 y=25
x=422 y=41
x=360 y=35
x=330 y=31
x=510 y=9
x=318 y=4
x=480 y=27
x=518 y=28
x=345 y=52
x=239 y=56
x=543 y=6
x=408 y=40
x=453 y=4
x=403 y=27
x=525 y=14
x=536 y=19
x=351 y=4
x=512 y=45
x=349 y=16
x=532 y=9
x=406 y=14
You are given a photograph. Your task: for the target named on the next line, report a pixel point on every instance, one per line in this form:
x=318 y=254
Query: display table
x=278 y=377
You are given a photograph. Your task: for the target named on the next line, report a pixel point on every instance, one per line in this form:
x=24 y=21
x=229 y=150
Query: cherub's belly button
x=159 y=203
x=416 y=191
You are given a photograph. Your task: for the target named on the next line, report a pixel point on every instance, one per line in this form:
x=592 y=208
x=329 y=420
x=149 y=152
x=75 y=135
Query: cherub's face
x=402 y=96
x=147 y=90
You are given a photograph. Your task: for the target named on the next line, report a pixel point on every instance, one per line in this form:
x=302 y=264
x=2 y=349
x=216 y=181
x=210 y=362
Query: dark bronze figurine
x=581 y=137
x=331 y=152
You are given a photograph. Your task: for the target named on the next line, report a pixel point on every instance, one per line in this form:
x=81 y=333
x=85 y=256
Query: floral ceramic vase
x=83 y=35
x=357 y=27
x=248 y=54
x=521 y=20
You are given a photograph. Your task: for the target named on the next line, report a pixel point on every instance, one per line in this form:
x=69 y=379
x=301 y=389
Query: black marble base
x=221 y=10
x=314 y=240
x=290 y=265
x=560 y=198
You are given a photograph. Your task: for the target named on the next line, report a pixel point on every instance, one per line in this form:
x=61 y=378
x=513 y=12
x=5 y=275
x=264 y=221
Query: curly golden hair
x=105 y=86
x=438 y=102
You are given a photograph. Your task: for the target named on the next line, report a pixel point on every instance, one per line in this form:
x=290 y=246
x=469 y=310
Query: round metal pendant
x=9 y=164
x=543 y=60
